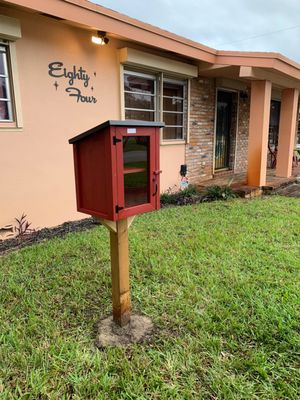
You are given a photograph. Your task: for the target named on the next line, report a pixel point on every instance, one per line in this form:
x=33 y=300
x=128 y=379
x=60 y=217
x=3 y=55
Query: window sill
x=172 y=142
x=10 y=129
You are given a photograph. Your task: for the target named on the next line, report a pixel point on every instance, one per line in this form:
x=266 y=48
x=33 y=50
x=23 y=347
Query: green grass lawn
x=219 y=280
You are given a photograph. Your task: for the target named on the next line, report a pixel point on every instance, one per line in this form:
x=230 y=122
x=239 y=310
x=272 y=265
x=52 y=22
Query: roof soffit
x=92 y=16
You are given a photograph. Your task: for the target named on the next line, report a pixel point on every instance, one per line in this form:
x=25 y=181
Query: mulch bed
x=46 y=234
x=183 y=201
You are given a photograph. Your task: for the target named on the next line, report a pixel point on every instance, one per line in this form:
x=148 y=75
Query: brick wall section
x=241 y=162
x=199 y=150
x=233 y=130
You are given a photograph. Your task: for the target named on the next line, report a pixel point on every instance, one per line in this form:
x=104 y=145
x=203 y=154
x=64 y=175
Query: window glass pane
x=173 y=119
x=136 y=170
x=172 y=104
x=4 y=110
x=172 y=133
x=3 y=88
x=173 y=89
x=143 y=103
x=140 y=115
x=174 y=110
x=133 y=100
x=2 y=63
x=138 y=84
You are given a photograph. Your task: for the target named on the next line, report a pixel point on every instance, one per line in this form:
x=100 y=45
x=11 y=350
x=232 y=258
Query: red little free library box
x=117 y=169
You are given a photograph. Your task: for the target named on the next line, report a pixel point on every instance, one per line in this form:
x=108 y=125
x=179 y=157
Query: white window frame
x=184 y=111
x=154 y=95
x=159 y=79
x=10 y=32
x=4 y=49
x=16 y=121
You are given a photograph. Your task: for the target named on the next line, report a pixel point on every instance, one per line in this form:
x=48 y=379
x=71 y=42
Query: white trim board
x=10 y=28
x=138 y=58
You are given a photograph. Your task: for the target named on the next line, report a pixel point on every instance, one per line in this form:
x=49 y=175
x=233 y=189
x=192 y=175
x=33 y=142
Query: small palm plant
x=22 y=227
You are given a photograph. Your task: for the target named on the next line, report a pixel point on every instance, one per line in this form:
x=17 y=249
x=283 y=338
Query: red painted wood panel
x=100 y=172
x=93 y=172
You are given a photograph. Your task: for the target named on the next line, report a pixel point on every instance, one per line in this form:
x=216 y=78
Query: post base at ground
x=122 y=320
x=139 y=329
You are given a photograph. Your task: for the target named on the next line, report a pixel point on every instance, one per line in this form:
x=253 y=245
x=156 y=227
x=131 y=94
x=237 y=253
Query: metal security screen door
x=274 y=122
x=223 y=129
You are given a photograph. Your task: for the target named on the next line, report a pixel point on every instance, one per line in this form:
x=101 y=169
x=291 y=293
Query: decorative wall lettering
x=74 y=92
x=56 y=69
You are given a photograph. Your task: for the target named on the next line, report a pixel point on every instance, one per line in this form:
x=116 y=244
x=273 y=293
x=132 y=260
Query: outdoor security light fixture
x=183 y=170
x=100 y=39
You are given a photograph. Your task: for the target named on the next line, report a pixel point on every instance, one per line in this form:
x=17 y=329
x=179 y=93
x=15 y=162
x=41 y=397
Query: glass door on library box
x=137 y=170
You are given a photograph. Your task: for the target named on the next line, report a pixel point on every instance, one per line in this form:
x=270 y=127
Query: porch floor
x=239 y=182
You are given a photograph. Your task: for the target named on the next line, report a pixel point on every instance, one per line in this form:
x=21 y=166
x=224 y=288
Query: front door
x=223 y=129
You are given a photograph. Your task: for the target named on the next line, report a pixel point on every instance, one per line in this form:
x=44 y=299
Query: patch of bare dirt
x=138 y=330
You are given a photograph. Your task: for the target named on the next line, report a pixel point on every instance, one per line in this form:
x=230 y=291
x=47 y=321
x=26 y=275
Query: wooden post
x=120 y=272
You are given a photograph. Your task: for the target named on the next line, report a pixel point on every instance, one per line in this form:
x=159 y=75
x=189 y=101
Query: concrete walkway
x=240 y=179
x=274 y=184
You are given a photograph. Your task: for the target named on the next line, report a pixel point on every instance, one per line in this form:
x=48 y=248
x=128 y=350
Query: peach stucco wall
x=36 y=165
x=171 y=157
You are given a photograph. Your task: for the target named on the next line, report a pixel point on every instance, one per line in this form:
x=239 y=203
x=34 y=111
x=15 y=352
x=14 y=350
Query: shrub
x=219 y=193
x=167 y=198
x=186 y=196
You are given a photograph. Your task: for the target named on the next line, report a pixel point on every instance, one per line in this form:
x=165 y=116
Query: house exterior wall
x=171 y=158
x=199 y=150
x=234 y=130
x=36 y=162
x=241 y=157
